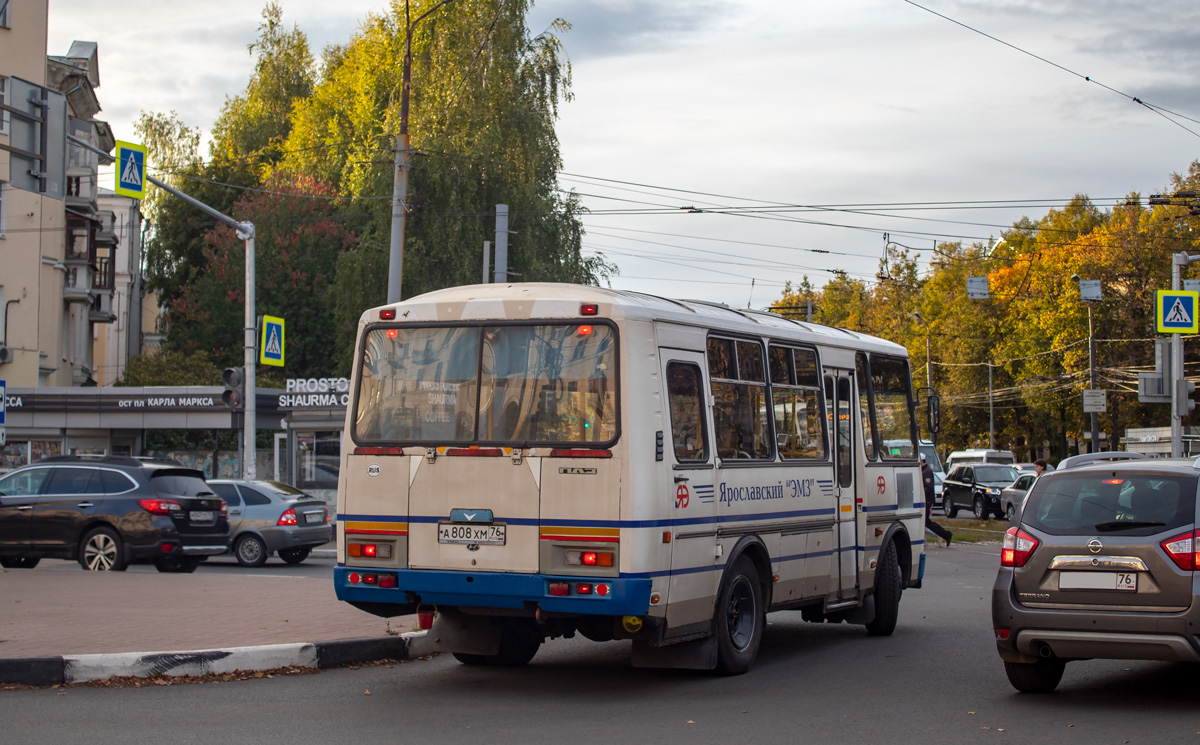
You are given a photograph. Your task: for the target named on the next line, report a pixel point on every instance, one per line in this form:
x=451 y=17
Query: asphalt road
x=936 y=680
x=313 y=566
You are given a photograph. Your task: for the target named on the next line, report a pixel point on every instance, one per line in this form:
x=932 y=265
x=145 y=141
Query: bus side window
x=689 y=435
x=740 y=407
x=863 y=376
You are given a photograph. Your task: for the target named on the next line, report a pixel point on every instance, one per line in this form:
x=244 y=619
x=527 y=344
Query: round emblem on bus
x=374 y=469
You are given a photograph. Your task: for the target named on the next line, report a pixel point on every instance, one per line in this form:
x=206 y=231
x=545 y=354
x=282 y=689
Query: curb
x=53 y=671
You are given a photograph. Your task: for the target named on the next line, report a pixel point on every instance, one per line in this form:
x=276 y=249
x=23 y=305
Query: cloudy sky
x=828 y=128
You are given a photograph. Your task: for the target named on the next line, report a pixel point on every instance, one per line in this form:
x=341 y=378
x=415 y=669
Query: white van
x=979 y=455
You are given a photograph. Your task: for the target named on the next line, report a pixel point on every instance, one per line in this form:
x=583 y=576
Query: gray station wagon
x=1099 y=565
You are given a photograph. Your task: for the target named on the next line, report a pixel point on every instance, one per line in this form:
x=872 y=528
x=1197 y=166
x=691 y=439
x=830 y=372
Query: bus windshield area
x=505 y=384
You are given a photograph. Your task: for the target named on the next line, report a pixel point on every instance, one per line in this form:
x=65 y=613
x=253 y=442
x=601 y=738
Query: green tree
x=170 y=368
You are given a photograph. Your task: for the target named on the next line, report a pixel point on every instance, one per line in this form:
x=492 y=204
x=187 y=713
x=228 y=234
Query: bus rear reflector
x=573 y=453
x=379 y=451
x=485 y=452
x=559 y=588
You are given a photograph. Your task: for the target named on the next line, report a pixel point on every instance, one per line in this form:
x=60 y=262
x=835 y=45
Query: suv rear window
x=1104 y=501
x=180 y=483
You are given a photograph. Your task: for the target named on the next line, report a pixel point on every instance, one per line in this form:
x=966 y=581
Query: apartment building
x=58 y=257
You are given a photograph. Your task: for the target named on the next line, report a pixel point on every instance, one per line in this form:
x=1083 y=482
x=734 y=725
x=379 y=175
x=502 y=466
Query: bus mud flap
x=457 y=632
x=698 y=654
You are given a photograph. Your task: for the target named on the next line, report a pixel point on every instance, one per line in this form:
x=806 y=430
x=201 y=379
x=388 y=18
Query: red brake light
x=1113 y=482
x=584 y=330
x=370 y=550
x=573 y=453
x=224 y=508
x=387 y=314
x=1018 y=547
x=589 y=309
x=159 y=506
x=1182 y=549
x=583 y=588
x=589 y=558
x=287 y=518
x=378 y=451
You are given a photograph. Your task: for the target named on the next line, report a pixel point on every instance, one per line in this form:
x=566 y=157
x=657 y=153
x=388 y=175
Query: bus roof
x=532 y=300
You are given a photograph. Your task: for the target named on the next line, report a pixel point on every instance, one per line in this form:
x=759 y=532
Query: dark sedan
x=268 y=517
x=977 y=487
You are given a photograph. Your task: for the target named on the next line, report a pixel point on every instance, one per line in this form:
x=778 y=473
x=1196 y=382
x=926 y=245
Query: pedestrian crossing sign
x=1175 y=311
x=270 y=347
x=131 y=170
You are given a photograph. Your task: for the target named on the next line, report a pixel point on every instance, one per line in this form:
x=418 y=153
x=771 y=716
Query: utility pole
x=403 y=156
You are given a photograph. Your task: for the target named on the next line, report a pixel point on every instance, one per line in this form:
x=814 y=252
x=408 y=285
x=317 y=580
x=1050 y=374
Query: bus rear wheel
x=740 y=618
x=519 y=642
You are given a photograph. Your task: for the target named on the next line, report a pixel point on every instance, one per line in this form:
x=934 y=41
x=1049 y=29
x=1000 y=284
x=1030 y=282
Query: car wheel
x=250 y=551
x=102 y=551
x=740 y=618
x=177 y=564
x=889 y=585
x=1010 y=513
x=1035 y=677
x=19 y=562
x=950 y=508
x=294 y=555
x=981 y=512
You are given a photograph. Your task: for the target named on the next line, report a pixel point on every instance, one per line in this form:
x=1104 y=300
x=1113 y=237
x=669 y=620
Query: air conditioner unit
x=6 y=355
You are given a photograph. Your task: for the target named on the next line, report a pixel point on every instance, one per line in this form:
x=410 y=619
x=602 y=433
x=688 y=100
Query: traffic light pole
x=245 y=231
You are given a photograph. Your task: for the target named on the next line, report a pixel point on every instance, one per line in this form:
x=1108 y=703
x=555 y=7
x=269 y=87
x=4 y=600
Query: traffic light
x=235 y=387
x=1183 y=396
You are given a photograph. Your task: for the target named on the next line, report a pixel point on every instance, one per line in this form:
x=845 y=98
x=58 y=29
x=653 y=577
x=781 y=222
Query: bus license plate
x=484 y=535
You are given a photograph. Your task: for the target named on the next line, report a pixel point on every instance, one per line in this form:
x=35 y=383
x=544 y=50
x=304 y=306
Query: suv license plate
x=1125 y=581
x=202 y=516
x=484 y=535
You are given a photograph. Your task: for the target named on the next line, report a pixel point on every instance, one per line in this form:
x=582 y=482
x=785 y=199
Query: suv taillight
x=287 y=518
x=224 y=508
x=1182 y=549
x=1018 y=547
x=159 y=506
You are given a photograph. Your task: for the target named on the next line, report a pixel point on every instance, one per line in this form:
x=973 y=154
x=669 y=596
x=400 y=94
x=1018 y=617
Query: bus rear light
x=580 y=453
x=388 y=581
x=370 y=579
x=583 y=588
x=602 y=590
x=559 y=588
x=584 y=330
x=354 y=578
x=590 y=558
x=387 y=314
x=485 y=452
x=589 y=309
x=370 y=550
x=379 y=451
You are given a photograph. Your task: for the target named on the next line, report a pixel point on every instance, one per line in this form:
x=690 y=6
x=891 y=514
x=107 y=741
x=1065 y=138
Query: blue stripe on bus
x=880 y=507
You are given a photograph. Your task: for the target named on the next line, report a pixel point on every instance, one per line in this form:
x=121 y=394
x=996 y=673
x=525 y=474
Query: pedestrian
x=930 y=525
x=1039 y=467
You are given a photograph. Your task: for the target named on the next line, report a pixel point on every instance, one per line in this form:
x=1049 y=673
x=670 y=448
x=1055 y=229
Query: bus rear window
x=516 y=384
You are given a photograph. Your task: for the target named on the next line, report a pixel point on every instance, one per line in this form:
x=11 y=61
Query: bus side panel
x=809 y=544
x=373 y=502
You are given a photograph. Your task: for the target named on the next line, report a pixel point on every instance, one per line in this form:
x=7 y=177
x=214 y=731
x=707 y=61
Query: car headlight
x=994 y=492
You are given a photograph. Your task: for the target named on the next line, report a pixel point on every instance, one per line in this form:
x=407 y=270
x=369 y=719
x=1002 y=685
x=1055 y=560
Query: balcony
x=106 y=234
x=102 y=307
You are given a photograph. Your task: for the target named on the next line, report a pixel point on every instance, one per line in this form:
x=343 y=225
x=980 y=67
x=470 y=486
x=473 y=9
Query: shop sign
x=316 y=393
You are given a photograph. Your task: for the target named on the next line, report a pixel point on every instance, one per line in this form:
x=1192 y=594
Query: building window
x=4 y=13
x=3 y=88
x=3 y=205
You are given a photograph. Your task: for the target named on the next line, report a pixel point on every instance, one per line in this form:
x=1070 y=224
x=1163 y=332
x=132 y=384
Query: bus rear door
x=839 y=396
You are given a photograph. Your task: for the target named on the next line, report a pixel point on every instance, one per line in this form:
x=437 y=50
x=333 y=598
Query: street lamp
x=916 y=314
x=1090 y=295
x=403 y=157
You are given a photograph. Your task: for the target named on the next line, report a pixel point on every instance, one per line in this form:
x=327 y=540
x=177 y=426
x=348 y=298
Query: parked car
x=267 y=517
x=108 y=512
x=1012 y=497
x=977 y=487
x=1100 y=565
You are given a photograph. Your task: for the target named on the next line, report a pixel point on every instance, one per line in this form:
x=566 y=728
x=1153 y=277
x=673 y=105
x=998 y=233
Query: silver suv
x=1099 y=565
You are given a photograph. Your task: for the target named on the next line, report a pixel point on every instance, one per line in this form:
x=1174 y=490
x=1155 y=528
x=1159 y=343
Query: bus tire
x=518 y=644
x=470 y=659
x=740 y=618
x=888 y=587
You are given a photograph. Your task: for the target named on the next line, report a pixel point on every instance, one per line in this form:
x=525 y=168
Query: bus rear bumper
x=619 y=596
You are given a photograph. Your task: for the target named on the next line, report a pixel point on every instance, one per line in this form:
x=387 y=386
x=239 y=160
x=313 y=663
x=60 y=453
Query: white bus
x=529 y=461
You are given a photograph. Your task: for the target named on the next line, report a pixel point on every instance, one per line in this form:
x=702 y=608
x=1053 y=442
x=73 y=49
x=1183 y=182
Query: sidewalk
x=68 y=614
